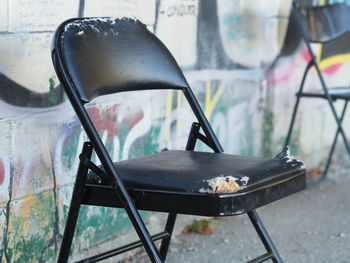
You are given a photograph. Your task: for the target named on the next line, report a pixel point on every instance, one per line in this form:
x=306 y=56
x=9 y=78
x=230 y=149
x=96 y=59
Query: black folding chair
x=322 y=24
x=94 y=57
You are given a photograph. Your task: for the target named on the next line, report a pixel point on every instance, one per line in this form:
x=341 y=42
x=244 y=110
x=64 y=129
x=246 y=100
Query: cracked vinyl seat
x=100 y=56
x=202 y=176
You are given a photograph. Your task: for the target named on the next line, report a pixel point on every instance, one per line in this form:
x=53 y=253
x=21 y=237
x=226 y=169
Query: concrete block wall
x=233 y=55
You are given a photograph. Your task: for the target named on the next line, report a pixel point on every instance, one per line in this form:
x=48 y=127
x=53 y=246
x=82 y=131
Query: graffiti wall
x=243 y=59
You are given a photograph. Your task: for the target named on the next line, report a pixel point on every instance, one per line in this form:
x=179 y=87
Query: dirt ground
x=312 y=226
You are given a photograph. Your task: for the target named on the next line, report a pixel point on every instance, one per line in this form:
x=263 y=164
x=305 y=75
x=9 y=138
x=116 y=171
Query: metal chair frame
x=123 y=198
x=325 y=95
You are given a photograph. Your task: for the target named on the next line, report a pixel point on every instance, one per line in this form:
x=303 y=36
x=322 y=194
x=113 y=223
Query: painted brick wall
x=234 y=56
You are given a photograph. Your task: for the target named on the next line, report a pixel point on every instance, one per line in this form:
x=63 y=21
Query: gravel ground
x=312 y=226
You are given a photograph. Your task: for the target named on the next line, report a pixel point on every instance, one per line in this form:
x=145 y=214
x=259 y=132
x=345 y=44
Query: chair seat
x=335 y=93
x=190 y=171
x=200 y=180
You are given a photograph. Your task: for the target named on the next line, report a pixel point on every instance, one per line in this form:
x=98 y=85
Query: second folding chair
x=100 y=56
x=323 y=25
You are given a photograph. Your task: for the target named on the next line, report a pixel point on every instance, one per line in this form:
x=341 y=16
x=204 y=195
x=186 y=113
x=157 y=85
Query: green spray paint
x=38 y=220
x=53 y=100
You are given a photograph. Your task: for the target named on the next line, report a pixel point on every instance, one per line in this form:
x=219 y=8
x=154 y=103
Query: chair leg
x=330 y=102
x=296 y=105
x=338 y=121
x=264 y=236
x=75 y=204
x=169 y=227
x=334 y=143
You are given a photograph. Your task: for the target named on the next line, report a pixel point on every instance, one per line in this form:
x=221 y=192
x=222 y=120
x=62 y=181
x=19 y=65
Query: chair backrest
x=104 y=56
x=325 y=23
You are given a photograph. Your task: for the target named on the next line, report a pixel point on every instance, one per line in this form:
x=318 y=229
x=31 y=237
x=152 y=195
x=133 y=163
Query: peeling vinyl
x=83 y=26
x=285 y=156
x=225 y=184
x=94 y=28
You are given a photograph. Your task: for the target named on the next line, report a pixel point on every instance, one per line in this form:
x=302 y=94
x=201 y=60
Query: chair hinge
x=196 y=134
x=93 y=167
x=204 y=139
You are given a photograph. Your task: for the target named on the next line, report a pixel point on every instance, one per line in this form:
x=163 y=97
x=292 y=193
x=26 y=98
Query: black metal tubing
x=320 y=76
x=296 y=105
x=261 y=258
x=169 y=228
x=122 y=249
x=204 y=123
x=264 y=237
x=334 y=143
x=75 y=204
x=192 y=137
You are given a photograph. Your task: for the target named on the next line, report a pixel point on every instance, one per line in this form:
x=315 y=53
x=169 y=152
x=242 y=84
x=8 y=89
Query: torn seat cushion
x=201 y=172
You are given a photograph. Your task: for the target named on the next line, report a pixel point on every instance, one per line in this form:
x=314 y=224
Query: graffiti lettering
x=179 y=10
